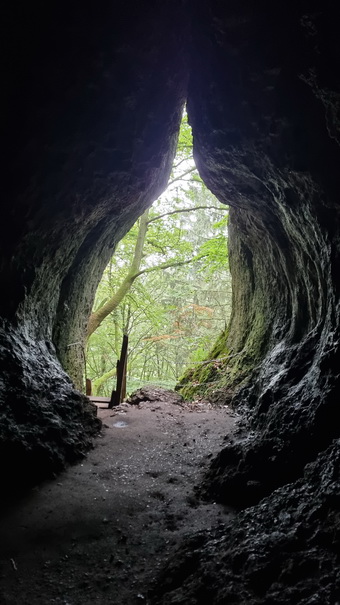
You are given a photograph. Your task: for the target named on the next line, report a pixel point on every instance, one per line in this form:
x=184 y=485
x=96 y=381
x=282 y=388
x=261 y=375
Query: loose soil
x=100 y=532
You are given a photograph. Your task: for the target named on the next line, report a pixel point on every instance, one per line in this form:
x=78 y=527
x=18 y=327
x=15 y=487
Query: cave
x=94 y=98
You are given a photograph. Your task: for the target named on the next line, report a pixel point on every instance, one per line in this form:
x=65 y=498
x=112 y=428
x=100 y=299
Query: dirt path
x=101 y=530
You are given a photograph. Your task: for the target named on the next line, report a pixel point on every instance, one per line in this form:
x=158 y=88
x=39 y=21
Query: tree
x=135 y=271
x=170 y=315
x=160 y=286
x=183 y=167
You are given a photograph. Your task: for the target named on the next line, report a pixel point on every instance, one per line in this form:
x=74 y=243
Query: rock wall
x=265 y=132
x=284 y=550
x=264 y=103
x=94 y=101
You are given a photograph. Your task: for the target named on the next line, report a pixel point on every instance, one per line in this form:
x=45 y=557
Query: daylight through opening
x=167 y=287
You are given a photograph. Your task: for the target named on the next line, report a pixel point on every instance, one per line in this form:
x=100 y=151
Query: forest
x=167 y=286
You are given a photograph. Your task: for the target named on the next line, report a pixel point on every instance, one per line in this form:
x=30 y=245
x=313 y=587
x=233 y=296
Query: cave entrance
x=167 y=286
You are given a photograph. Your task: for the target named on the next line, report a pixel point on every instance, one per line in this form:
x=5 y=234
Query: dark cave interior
x=94 y=100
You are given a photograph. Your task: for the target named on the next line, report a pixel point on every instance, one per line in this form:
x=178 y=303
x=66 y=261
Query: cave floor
x=100 y=531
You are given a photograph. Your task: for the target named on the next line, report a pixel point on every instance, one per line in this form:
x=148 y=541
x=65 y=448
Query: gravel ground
x=99 y=532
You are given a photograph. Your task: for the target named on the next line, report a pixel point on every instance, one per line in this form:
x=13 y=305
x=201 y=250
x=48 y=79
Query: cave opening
x=167 y=287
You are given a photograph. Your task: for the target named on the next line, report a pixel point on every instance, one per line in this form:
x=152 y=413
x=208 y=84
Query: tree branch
x=180 y=177
x=155 y=244
x=156 y=218
x=169 y=264
x=181 y=162
x=98 y=382
x=100 y=314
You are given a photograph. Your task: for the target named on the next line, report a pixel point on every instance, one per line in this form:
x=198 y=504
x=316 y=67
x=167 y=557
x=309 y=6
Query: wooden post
x=113 y=400
x=88 y=387
x=122 y=369
x=123 y=395
x=119 y=394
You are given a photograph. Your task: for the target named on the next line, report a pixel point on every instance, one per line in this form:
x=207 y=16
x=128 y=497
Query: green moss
x=202 y=380
x=217 y=378
x=220 y=347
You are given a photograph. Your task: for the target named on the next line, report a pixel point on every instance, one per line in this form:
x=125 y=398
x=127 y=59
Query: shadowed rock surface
x=285 y=550
x=154 y=393
x=265 y=144
x=94 y=106
x=94 y=101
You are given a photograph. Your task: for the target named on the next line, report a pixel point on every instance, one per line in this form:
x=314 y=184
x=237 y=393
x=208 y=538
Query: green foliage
x=171 y=315
x=215 y=251
x=184 y=145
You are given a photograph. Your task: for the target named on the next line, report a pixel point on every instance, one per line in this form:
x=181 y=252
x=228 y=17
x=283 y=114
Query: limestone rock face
x=44 y=422
x=94 y=103
x=284 y=550
x=94 y=100
x=152 y=393
x=264 y=106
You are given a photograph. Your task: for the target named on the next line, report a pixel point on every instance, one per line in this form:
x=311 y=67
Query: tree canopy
x=167 y=285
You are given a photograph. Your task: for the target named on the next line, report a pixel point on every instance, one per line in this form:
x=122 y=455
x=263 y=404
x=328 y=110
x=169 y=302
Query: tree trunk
x=97 y=317
x=98 y=384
